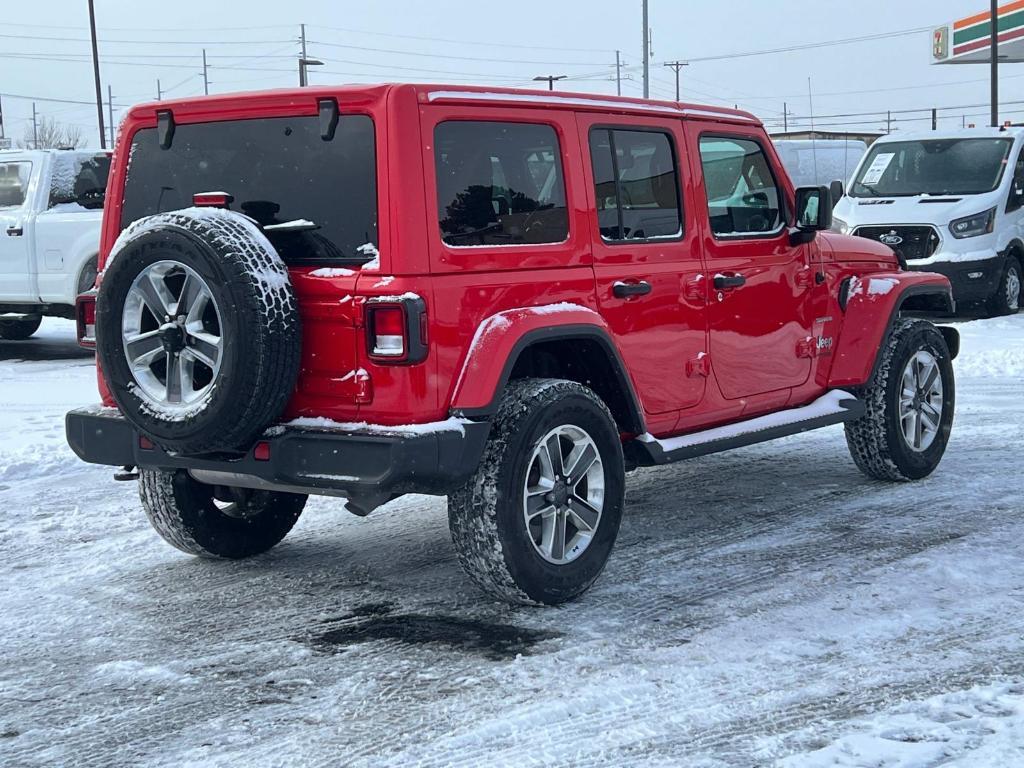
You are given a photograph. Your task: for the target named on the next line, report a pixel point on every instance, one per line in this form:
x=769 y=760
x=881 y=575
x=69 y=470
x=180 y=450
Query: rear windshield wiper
x=298 y=225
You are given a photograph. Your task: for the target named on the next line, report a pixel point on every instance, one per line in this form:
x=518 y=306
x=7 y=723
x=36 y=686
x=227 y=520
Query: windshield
x=932 y=167
x=279 y=172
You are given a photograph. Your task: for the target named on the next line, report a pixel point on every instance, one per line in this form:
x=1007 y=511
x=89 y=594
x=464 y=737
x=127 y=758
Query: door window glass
x=499 y=184
x=14 y=178
x=79 y=180
x=1016 y=199
x=743 y=198
x=636 y=184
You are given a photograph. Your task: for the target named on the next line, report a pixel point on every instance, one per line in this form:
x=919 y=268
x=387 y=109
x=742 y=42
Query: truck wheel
x=198 y=330
x=909 y=403
x=537 y=522
x=212 y=521
x=19 y=328
x=1006 y=300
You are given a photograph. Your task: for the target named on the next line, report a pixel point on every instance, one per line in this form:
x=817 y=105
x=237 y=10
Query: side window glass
x=743 y=198
x=499 y=184
x=1017 y=188
x=79 y=180
x=636 y=184
x=14 y=178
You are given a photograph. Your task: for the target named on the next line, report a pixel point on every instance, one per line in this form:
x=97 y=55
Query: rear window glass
x=14 y=178
x=635 y=184
x=79 y=181
x=499 y=184
x=278 y=171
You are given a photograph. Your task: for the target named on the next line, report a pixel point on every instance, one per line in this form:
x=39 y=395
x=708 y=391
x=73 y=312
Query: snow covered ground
x=768 y=606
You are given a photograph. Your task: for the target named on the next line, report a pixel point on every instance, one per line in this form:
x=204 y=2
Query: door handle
x=15 y=231
x=728 y=282
x=622 y=290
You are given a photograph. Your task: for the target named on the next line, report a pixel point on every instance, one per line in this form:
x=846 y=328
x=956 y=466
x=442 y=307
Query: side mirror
x=836 y=190
x=813 y=213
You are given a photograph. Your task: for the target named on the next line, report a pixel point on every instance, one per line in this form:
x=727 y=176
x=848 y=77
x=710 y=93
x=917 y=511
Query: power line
x=450 y=56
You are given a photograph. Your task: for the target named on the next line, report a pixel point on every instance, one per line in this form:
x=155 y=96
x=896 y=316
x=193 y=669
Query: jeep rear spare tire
x=198 y=331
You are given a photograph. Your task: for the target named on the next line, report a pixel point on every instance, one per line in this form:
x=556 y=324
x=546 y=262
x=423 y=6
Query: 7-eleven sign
x=968 y=40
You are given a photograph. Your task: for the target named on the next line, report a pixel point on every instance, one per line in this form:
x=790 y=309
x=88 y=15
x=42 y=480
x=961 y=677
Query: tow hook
x=129 y=472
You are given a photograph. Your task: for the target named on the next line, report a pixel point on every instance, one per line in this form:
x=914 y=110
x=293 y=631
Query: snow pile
x=332 y=272
x=991 y=349
x=982 y=726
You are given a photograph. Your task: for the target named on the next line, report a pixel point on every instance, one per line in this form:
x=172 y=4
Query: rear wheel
x=1006 y=300
x=19 y=328
x=910 y=402
x=537 y=522
x=215 y=521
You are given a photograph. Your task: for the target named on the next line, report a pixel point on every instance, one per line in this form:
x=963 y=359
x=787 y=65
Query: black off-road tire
x=876 y=440
x=187 y=515
x=260 y=328
x=486 y=515
x=1006 y=300
x=19 y=328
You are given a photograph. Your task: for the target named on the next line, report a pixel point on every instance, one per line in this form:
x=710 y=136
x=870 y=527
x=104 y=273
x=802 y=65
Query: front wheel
x=537 y=522
x=216 y=521
x=1006 y=300
x=19 y=328
x=909 y=400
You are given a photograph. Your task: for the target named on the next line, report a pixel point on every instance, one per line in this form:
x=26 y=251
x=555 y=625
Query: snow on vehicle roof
x=984 y=132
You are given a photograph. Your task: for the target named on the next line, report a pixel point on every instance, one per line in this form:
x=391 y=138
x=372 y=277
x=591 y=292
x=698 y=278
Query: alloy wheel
x=563 y=496
x=171 y=335
x=920 y=407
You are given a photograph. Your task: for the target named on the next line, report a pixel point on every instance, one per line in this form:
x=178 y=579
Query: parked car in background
x=820 y=162
x=51 y=209
x=950 y=202
x=507 y=297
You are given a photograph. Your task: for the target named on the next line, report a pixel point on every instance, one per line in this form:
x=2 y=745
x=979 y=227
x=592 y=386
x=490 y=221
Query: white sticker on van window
x=878 y=166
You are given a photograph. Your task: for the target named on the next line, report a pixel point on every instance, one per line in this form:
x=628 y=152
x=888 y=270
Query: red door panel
x=658 y=319
x=761 y=314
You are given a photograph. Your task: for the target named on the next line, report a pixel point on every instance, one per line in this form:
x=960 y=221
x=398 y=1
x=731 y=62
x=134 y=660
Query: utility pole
x=677 y=65
x=888 y=121
x=550 y=80
x=810 y=102
x=994 y=53
x=96 y=76
x=1 y=118
x=110 y=106
x=935 y=119
x=206 y=79
x=302 y=66
x=618 y=73
x=159 y=95
x=785 y=117
x=647 y=54
x=35 y=128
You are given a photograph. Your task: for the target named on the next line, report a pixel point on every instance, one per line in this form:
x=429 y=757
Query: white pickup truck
x=51 y=208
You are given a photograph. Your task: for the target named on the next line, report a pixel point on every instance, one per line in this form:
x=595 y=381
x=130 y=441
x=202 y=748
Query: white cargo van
x=820 y=162
x=51 y=209
x=949 y=202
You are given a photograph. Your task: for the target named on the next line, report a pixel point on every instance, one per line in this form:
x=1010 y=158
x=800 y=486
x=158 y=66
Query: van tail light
x=85 y=316
x=396 y=329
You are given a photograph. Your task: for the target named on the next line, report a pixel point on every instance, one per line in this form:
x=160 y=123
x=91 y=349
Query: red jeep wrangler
x=507 y=297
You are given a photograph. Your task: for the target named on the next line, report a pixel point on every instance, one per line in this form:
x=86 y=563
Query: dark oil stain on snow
x=493 y=641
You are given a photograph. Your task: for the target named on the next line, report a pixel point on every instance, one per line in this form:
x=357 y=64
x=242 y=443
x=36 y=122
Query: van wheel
x=1006 y=300
x=910 y=401
x=19 y=328
x=214 y=521
x=537 y=522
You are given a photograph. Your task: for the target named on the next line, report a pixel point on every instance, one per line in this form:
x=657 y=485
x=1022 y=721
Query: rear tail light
x=212 y=200
x=85 y=314
x=396 y=329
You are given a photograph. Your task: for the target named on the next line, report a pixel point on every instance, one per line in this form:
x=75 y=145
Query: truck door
x=16 y=283
x=761 y=298
x=647 y=259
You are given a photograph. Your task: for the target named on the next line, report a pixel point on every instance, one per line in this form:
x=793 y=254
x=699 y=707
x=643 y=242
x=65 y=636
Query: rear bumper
x=368 y=467
x=971 y=280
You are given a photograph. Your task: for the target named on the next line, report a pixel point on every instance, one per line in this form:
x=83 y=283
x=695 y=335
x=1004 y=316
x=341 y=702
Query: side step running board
x=834 y=407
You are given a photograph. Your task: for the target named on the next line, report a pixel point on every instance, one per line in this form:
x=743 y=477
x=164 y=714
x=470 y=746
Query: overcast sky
x=44 y=52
